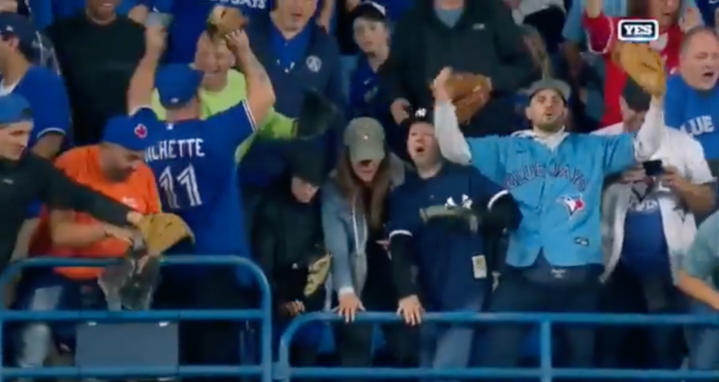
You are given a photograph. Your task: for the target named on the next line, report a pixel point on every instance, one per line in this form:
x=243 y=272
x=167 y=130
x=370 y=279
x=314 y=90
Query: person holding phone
x=354 y=206
x=659 y=199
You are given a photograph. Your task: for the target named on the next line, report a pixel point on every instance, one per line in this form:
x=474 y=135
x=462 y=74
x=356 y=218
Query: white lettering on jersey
x=175 y=149
x=699 y=125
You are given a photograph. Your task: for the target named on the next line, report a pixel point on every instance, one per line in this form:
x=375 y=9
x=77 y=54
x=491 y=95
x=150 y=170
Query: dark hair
x=354 y=190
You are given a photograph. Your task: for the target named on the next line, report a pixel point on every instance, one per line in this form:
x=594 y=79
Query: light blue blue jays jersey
x=558 y=192
x=193 y=163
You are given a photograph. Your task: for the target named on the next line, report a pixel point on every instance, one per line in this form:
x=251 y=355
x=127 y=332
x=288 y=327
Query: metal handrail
x=546 y=372
x=264 y=314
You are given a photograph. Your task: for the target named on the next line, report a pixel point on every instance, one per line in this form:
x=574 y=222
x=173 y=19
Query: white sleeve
x=452 y=144
x=649 y=136
x=697 y=168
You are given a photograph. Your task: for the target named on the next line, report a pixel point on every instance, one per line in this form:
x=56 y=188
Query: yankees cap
x=559 y=86
x=370 y=10
x=635 y=96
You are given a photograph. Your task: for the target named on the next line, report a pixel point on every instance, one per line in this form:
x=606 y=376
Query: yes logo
x=638 y=30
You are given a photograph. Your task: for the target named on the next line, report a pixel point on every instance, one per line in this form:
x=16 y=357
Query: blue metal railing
x=264 y=314
x=282 y=370
x=546 y=372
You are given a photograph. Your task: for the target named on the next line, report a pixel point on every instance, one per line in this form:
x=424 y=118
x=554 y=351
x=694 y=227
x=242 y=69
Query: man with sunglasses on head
x=26 y=178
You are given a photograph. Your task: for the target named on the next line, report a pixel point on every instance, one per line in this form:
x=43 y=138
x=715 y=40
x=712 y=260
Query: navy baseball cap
x=20 y=27
x=177 y=84
x=369 y=10
x=14 y=109
x=126 y=132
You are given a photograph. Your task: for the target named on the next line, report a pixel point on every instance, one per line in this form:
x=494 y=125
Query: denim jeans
x=703 y=341
x=47 y=291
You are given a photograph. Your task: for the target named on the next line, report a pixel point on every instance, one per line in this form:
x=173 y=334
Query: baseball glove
x=161 y=231
x=643 y=65
x=469 y=93
x=224 y=20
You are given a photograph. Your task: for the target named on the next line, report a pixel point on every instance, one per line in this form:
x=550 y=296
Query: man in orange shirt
x=115 y=168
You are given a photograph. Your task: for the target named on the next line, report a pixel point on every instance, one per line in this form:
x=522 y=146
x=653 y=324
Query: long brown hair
x=354 y=190
x=640 y=9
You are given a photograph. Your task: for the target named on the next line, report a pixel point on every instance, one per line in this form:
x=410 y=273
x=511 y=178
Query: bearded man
x=555 y=257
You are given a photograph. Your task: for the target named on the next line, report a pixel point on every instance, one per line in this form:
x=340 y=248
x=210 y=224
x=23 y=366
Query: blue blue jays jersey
x=694 y=112
x=558 y=192
x=193 y=163
x=450 y=257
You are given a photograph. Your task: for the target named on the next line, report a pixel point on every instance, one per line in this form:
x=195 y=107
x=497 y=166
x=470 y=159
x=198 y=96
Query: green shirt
x=274 y=126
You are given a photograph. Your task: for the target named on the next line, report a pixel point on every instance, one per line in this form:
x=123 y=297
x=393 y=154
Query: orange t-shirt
x=82 y=164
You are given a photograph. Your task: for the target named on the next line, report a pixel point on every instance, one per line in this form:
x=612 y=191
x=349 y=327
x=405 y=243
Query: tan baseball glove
x=469 y=93
x=161 y=231
x=224 y=20
x=643 y=64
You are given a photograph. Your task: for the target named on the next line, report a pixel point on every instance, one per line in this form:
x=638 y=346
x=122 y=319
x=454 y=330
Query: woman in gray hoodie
x=353 y=204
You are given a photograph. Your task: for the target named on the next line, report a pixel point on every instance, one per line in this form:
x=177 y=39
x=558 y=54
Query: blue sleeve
x=675 y=102
x=617 y=152
x=573 y=30
x=336 y=240
x=484 y=190
x=42 y=13
x=487 y=156
x=403 y=218
x=51 y=108
x=231 y=127
x=702 y=259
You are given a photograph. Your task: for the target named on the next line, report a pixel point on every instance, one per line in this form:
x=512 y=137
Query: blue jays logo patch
x=574 y=204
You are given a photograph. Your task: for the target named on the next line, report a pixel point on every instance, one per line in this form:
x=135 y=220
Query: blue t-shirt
x=363 y=89
x=644 y=220
x=695 y=112
x=47 y=95
x=193 y=162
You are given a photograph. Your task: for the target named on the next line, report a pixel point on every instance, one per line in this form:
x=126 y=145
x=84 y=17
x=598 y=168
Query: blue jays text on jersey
x=539 y=171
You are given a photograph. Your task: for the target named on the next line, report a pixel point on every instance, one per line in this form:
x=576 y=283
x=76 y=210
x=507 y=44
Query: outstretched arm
x=452 y=144
x=142 y=84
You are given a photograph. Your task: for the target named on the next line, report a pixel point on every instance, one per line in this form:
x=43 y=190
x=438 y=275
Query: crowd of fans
x=321 y=142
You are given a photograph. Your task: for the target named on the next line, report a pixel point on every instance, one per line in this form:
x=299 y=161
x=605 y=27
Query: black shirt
x=97 y=62
x=32 y=178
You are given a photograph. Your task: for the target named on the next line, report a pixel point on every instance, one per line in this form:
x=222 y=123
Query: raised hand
x=155 y=38
x=238 y=42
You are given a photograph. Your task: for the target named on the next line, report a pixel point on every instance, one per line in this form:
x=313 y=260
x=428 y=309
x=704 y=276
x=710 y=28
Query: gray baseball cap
x=559 y=86
x=364 y=137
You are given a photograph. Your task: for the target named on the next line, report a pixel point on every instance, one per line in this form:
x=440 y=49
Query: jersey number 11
x=187 y=180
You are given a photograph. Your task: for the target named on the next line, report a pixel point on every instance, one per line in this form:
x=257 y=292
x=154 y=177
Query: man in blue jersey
x=43 y=88
x=555 y=256
x=692 y=101
x=194 y=164
x=438 y=221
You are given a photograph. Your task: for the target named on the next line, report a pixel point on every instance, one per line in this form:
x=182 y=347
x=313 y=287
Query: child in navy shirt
x=371 y=34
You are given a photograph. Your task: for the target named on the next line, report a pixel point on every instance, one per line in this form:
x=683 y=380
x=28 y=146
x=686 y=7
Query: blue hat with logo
x=126 y=132
x=13 y=109
x=20 y=27
x=177 y=84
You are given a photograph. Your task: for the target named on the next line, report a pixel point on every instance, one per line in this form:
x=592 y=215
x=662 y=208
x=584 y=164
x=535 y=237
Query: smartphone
x=653 y=167
x=157 y=18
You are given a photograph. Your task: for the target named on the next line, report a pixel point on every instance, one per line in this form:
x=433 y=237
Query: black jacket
x=32 y=178
x=287 y=239
x=485 y=41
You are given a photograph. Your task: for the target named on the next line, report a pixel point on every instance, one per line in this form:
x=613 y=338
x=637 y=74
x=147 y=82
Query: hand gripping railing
x=264 y=314
x=546 y=372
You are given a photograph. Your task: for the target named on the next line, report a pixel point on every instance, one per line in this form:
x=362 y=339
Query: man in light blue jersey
x=698 y=279
x=194 y=164
x=555 y=256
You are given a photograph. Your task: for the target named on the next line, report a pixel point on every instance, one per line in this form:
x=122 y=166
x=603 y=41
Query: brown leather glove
x=223 y=21
x=643 y=64
x=469 y=93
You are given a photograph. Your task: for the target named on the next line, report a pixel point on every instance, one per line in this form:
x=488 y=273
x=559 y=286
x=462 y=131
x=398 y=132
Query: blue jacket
x=318 y=68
